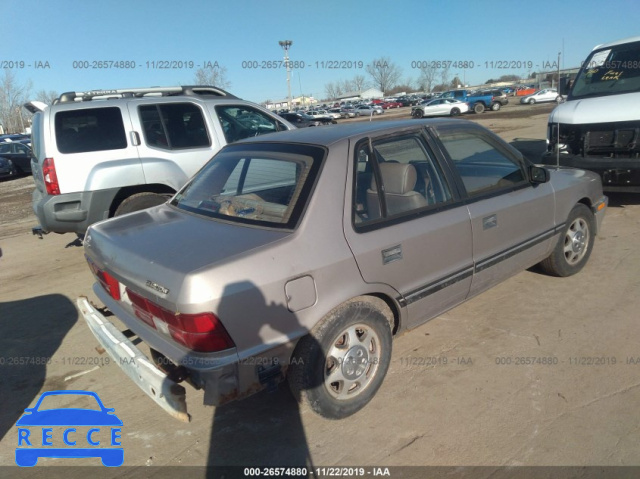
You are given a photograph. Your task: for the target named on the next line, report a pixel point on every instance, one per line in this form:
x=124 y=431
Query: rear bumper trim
x=167 y=394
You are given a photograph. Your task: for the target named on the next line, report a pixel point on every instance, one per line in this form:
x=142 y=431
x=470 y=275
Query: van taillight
x=50 y=177
x=202 y=332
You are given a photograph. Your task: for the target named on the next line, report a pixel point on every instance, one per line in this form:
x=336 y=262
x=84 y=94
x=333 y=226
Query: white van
x=598 y=127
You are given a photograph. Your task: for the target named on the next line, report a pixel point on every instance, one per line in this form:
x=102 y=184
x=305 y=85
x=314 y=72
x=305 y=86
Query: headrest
x=398 y=178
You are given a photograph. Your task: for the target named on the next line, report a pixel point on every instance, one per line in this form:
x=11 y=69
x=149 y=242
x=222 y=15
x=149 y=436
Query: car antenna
x=558 y=121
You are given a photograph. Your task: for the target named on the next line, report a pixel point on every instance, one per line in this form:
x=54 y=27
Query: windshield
x=263 y=184
x=609 y=71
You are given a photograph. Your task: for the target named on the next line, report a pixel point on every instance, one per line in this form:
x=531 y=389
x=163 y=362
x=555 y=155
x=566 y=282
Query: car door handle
x=135 y=138
x=392 y=254
x=489 y=222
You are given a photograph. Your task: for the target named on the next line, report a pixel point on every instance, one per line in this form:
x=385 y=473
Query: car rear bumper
x=618 y=174
x=155 y=383
x=72 y=212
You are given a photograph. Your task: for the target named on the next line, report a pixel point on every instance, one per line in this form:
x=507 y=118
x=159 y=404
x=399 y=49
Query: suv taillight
x=202 y=332
x=50 y=177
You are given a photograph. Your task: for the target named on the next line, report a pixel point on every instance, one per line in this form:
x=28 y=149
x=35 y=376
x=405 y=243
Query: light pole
x=286 y=44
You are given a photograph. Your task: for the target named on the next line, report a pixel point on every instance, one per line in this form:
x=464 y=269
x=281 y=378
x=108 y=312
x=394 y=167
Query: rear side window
x=411 y=179
x=174 y=126
x=91 y=129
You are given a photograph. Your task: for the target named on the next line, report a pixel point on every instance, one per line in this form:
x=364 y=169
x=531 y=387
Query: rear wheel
x=337 y=369
x=140 y=201
x=574 y=246
x=455 y=111
x=495 y=106
x=478 y=107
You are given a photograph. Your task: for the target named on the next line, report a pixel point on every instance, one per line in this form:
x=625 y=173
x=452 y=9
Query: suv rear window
x=90 y=129
x=266 y=186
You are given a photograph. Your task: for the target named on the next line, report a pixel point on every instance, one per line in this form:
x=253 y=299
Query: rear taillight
x=202 y=332
x=50 y=177
x=108 y=282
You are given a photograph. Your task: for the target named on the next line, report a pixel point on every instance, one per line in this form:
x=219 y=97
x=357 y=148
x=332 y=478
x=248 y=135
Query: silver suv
x=99 y=154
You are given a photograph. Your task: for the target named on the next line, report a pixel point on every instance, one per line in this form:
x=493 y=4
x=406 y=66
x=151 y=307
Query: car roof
x=328 y=135
x=617 y=42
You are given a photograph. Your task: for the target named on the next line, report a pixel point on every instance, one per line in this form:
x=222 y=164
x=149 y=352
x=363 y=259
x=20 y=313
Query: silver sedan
x=300 y=255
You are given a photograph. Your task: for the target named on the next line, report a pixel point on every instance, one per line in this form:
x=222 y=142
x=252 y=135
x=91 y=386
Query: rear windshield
x=90 y=129
x=609 y=71
x=262 y=184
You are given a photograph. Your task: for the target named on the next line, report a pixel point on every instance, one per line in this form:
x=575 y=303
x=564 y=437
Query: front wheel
x=455 y=111
x=574 y=246
x=532 y=101
x=418 y=113
x=495 y=106
x=338 y=368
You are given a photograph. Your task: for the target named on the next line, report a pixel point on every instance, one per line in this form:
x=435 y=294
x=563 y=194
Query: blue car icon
x=72 y=417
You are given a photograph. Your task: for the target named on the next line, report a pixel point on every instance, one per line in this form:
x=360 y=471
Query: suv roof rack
x=187 y=90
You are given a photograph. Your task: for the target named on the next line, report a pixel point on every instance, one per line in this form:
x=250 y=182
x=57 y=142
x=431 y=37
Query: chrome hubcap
x=576 y=241
x=352 y=362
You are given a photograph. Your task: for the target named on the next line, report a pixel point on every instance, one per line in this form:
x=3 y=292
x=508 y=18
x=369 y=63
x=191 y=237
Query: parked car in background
x=408 y=100
x=328 y=241
x=19 y=153
x=318 y=114
x=391 y=104
x=478 y=101
x=365 y=110
x=302 y=120
x=546 y=95
x=348 y=112
x=439 y=107
x=331 y=113
x=104 y=153
x=498 y=96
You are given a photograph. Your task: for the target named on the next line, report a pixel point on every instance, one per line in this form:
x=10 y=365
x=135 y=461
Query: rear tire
x=478 y=107
x=574 y=245
x=495 y=106
x=339 y=366
x=455 y=111
x=139 y=201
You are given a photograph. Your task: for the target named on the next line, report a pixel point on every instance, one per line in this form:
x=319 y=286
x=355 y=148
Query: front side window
x=265 y=185
x=481 y=165
x=90 y=129
x=240 y=122
x=400 y=176
x=174 y=126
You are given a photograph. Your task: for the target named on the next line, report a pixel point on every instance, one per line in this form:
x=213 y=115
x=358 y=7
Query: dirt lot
x=460 y=390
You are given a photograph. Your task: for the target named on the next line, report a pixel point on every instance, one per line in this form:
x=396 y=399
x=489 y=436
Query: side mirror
x=538 y=174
